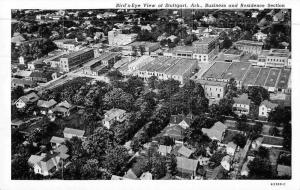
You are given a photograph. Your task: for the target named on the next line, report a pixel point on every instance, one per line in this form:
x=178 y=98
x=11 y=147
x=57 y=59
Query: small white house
x=265 y=108
x=226 y=162
x=230 y=148
x=112 y=116
x=69 y=133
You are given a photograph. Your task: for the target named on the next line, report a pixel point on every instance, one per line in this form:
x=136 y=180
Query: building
x=45 y=164
x=216 y=132
x=26 y=100
x=175 y=132
x=230 y=148
x=56 y=141
x=186 y=152
x=116 y=38
x=164 y=150
x=241 y=104
x=15 y=82
x=213 y=89
x=43 y=76
x=112 y=116
x=68 y=44
x=187 y=166
x=277 y=58
x=69 y=62
x=272 y=141
x=248 y=46
x=181 y=120
x=70 y=132
x=63 y=109
x=45 y=106
x=165 y=68
x=226 y=162
x=140 y=48
x=259 y=36
x=265 y=108
x=204 y=50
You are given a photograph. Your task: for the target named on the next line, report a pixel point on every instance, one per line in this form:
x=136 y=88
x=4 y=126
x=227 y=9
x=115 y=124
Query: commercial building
x=249 y=46
x=213 y=89
x=165 y=68
x=140 y=48
x=204 y=50
x=69 y=62
x=277 y=58
x=116 y=38
x=113 y=115
x=68 y=44
x=241 y=104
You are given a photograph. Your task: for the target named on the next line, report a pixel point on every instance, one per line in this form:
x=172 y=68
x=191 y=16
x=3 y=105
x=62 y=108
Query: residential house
x=203 y=161
x=213 y=89
x=15 y=82
x=216 y=173
x=146 y=176
x=47 y=165
x=63 y=109
x=56 y=141
x=175 y=132
x=26 y=100
x=164 y=150
x=22 y=74
x=70 y=132
x=265 y=108
x=272 y=141
x=230 y=148
x=226 y=162
x=259 y=36
x=181 y=120
x=113 y=115
x=184 y=151
x=172 y=38
x=187 y=166
x=241 y=104
x=216 y=132
x=45 y=106
x=62 y=150
x=283 y=170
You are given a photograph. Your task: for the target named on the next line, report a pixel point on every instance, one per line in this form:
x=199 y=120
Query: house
x=62 y=150
x=63 y=108
x=272 y=141
x=283 y=170
x=187 y=166
x=26 y=100
x=164 y=150
x=259 y=36
x=56 y=141
x=241 y=104
x=173 y=131
x=278 y=17
x=172 y=38
x=45 y=164
x=216 y=132
x=181 y=120
x=41 y=76
x=15 y=82
x=265 y=108
x=70 y=132
x=112 y=116
x=45 y=106
x=146 y=176
x=34 y=159
x=203 y=161
x=216 y=173
x=230 y=148
x=22 y=74
x=226 y=162
x=130 y=175
x=184 y=151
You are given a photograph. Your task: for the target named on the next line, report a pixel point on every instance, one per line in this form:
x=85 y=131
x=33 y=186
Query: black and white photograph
x=170 y=91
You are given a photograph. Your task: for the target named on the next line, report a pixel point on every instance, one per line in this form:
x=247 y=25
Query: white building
x=241 y=104
x=265 y=108
x=116 y=38
x=112 y=116
x=260 y=36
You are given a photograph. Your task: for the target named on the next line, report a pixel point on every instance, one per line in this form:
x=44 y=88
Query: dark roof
x=31 y=97
x=272 y=140
x=176 y=119
x=242 y=99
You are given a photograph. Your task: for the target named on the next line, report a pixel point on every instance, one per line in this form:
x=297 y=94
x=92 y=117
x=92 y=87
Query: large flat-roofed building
x=116 y=38
x=277 y=58
x=140 y=62
x=213 y=89
x=140 y=48
x=165 y=68
x=68 y=44
x=106 y=59
x=204 y=50
x=71 y=61
x=249 y=46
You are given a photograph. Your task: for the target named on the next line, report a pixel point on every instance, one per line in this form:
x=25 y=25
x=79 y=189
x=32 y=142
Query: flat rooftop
x=74 y=54
x=205 y=40
x=217 y=69
x=237 y=70
x=284 y=78
x=249 y=42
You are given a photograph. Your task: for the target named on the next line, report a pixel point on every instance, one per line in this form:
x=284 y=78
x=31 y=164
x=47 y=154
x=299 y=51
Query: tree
x=280 y=115
x=116 y=159
x=231 y=89
x=152 y=82
x=260 y=168
x=263 y=152
x=114 y=75
x=20 y=168
x=227 y=43
x=225 y=107
x=240 y=140
x=258 y=94
x=171 y=162
x=17 y=93
x=90 y=170
x=217 y=157
x=75 y=148
x=117 y=98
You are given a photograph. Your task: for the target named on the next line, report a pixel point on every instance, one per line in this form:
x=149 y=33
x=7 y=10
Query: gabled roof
x=146 y=176
x=48 y=162
x=176 y=119
x=46 y=104
x=22 y=81
x=185 y=151
x=242 y=99
x=268 y=104
x=113 y=113
x=175 y=131
x=31 y=97
x=164 y=149
x=216 y=131
x=187 y=164
x=231 y=145
x=58 y=140
x=34 y=159
x=272 y=140
x=65 y=104
x=62 y=149
x=23 y=73
x=130 y=175
x=72 y=131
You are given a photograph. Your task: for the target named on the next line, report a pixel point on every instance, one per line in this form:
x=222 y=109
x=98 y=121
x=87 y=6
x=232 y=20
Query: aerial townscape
x=150 y=94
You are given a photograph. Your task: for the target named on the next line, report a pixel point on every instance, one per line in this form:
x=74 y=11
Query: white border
x=7 y=183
